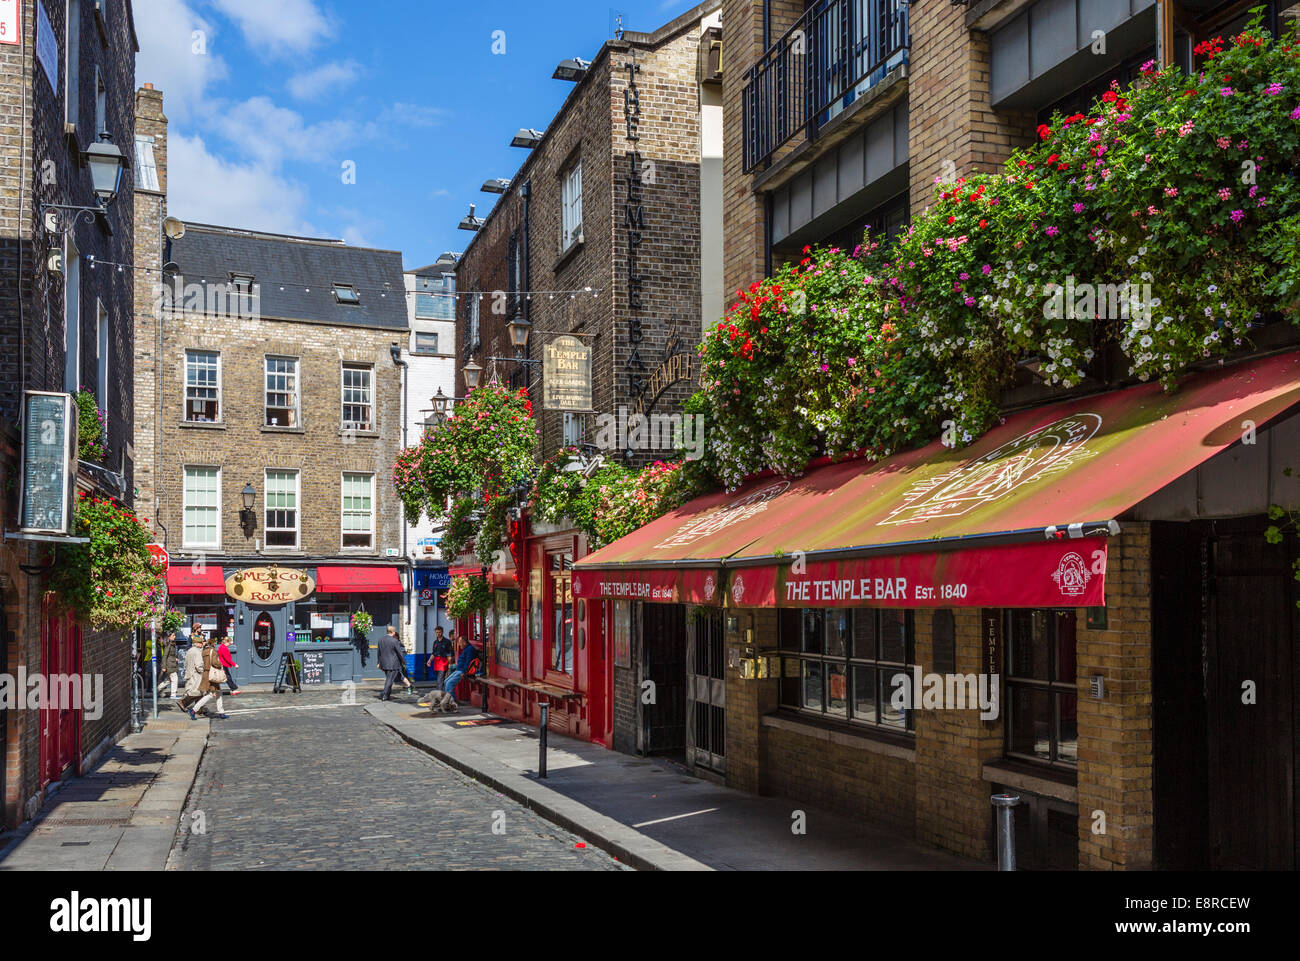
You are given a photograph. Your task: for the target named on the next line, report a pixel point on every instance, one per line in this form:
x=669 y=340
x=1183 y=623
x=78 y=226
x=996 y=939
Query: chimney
x=151 y=122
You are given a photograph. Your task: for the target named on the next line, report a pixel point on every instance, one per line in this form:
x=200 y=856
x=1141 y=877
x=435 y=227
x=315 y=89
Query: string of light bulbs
x=572 y=294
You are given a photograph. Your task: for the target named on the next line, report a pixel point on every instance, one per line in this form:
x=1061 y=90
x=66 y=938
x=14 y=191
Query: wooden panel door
x=1252 y=702
x=60 y=722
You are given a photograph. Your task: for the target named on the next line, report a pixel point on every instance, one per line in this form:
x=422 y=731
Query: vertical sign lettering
x=634 y=222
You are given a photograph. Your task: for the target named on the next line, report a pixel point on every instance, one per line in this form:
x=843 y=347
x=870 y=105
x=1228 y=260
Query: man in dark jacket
x=392 y=661
x=468 y=663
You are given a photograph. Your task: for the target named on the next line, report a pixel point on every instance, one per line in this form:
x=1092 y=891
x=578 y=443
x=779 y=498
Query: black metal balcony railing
x=834 y=52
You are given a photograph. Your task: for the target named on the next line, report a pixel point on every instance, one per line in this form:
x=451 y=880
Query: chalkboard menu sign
x=286 y=676
x=313 y=667
x=49 y=462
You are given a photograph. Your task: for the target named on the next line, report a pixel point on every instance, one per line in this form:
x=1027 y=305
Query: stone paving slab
x=123 y=815
x=650 y=812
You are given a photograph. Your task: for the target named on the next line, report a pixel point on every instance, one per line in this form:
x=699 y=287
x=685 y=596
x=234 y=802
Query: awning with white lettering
x=1018 y=519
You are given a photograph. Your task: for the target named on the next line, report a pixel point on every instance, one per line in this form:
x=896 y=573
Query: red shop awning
x=358 y=580
x=195 y=579
x=1018 y=519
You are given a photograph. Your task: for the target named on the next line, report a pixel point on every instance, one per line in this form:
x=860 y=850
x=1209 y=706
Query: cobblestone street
x=298 y=782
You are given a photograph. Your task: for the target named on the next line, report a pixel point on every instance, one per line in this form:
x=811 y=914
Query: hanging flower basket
x=468 y=595
x=362 y=623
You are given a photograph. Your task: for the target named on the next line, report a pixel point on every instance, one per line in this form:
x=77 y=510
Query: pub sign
x=270 y=586
x=49 y=468
x=566 y=374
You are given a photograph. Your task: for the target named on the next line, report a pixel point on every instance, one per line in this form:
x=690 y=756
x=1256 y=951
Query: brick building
x=66 y=79
x=610 y=232
x=276 y=417
x=1122 y=724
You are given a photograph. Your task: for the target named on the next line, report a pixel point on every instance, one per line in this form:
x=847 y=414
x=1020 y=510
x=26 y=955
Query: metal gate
x=706 y=692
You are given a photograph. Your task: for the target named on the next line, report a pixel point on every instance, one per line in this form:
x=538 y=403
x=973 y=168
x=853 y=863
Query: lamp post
x=520 y=328
x=472 y=373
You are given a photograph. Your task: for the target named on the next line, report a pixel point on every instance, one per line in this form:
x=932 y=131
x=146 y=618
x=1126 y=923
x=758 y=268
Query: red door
x=60 y=723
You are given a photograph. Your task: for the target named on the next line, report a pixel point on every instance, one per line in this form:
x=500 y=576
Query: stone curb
x=627 y=844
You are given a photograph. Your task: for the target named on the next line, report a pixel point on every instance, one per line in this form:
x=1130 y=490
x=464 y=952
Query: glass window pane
x=892 y=683
x=1028 y=644
x=813 y=629
x=864 y=694
x=864 y=635
x=839 y=631
x=812 y=686
x=1029 y=723
x=1067 y=729
x=1066 y=624
x=837 y=694
x=893 y=636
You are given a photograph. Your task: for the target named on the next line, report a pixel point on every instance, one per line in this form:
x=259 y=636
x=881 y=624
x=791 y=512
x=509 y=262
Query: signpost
x=566 y=374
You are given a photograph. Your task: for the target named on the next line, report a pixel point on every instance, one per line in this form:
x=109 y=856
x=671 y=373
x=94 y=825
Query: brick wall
x=150 y=210
x=243 y=448
x=1115 y=733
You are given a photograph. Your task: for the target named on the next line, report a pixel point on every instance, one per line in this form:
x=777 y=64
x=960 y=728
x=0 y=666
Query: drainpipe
x=396 y=351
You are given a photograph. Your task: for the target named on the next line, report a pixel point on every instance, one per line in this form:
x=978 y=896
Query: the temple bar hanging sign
x=677 y=366
x=566 y=375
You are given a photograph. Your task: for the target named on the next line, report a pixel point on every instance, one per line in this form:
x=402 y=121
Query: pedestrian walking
x=226 y=654
x=439 y=658
x=167 y=662
x=212 y=677
x=392 y=661
x=193 y=667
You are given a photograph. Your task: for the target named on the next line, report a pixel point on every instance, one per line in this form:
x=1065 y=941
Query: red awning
x=195 y=579
x=1051 y=481
x=358 y=580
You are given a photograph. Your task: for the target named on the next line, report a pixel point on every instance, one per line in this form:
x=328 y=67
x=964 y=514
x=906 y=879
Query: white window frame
x=297 y=508
x=344 y=404
x=415 y=342
x=185 y=388
x=186 y=506
x=102 y=347
x=474 y=332
x=344 y=513
x=71 y=317
x=571 y=207
x=295 y=409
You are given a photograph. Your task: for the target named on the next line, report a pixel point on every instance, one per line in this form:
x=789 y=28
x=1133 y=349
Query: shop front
x=307 y=613
x=902 y=639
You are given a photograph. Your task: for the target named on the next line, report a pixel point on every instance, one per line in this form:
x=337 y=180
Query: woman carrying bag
x=225 y=654
x=210 y=682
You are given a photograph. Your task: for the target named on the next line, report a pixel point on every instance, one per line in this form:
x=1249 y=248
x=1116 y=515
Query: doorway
x=60 y=723
x=267 y=640
x=661 y=684
x=706 y=691
x=1226 y=692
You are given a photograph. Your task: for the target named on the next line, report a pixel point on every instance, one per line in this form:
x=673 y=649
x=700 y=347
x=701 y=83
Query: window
x=71 y=318
x=844 y=664
x=101 y=104
x=73 y=46
x=242 y=283
x=1042 y=721
x=426 y=343
x=346 y=294
x=201 y=501
x=573 y=430
x=202 y=386
x=472 y=330
x=101 y=355
x=506 y=633
x=515 y=272
x=571 y=207
x=433 y=297
x=282 y=392
x=561 y=572
x=358 y=510
x=357 y=400
x=146 y=166
x=281 y=508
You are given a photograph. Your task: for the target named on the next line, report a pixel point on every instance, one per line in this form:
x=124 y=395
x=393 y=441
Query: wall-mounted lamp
x=248 y=519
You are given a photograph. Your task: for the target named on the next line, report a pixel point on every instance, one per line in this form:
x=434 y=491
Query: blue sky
x=269 y=99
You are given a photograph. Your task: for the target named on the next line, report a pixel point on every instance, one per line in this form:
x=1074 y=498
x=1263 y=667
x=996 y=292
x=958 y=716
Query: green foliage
x=92 y=428
x=1181 y=188
x=466 y=470
x=171 y=621
x=468 y=595
x=110 y=581
x=362 y=624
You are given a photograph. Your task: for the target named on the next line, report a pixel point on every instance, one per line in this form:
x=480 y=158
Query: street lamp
x=247 y=518
x=520 y=328
x=440 y=403
x=573 y=69
x=106 y=164
x=472 y=374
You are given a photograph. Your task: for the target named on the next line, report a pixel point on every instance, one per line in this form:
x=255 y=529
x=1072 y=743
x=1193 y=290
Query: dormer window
x=346 y=294
x=243 y=283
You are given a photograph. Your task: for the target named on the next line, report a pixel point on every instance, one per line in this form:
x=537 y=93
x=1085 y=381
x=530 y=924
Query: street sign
x=161 y=559
x=426 y=596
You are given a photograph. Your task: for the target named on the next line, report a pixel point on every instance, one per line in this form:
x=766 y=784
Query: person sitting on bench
x=467 y=665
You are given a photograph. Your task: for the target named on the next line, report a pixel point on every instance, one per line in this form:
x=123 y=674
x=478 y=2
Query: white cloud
x=406 y=115
x=204 y=188
x=278 y=26
x=272 y=134
x=318 y=83
x=168 y=57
